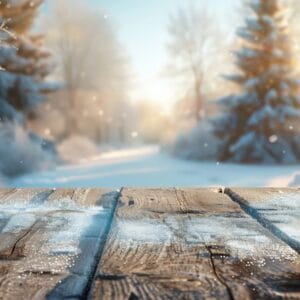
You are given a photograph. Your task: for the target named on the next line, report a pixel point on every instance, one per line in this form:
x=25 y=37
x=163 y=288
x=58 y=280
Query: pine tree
x=23 y=60
x=260 y=124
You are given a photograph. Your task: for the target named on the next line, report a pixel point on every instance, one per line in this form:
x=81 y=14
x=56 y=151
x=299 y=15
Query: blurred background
x=149 y=93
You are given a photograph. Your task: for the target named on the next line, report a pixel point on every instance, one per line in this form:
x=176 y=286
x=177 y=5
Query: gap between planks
x=101 y=247
x=18 y=248
x=185 y=210
x=136 y=263
x=263 y=221
x=76 y=281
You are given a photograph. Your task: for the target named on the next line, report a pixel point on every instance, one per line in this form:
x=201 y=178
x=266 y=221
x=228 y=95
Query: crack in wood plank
x=15 y=252
x=154 y=251
x=147 y=255
x=211 y=256
x=246 y=277
x=35 y=239
x=185 y=210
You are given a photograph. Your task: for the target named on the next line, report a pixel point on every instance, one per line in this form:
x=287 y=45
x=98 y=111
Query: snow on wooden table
x=148 y=244
x=50 y=241
x=276 y=209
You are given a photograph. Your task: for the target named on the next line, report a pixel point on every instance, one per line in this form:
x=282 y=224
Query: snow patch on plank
x=72 y=227
x=143 y=231
x=283 y=210
x=61 y=225
x=18 y=223
x=239 y=237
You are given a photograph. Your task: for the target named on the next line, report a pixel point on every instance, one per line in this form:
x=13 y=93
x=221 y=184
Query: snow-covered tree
x=24 y=61
x=24 y=65
x=260 y=124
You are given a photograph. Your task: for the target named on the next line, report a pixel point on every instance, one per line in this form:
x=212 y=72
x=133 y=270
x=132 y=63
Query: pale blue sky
x=142 y=30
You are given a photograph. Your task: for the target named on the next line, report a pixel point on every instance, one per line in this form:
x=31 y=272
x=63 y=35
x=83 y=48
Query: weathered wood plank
x=4 y=192
x=147 y=256
x=52 y=256
x=86 y=197
x=24 y=196
x=92 y=241
x=276 y=209
x=13 y=228
x=192 y=244
x=252 y=262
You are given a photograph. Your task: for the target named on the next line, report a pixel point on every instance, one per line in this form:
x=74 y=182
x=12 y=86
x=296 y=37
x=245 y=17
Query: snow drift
x=76 y=148
x=296 y=181
x=198 y=144
x=21 y=152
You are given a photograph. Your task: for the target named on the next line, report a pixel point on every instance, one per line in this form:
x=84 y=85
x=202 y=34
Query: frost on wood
x=261 y=124
x=57 y=229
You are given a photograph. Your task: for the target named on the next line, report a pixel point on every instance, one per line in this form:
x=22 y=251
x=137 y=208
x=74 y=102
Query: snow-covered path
x=148 y=167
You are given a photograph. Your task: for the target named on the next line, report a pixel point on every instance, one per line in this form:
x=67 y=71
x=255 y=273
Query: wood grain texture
x=15 y=229
x=92 y=240
x=276 y=209
x=192 y=244
x=23 y=196
x=252 y=262
x=163 y=244
x=147 y=255
x=4 y=192
x=51 y=242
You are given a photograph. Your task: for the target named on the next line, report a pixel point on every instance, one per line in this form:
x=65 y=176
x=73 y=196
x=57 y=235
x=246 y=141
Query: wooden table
x=150 y=244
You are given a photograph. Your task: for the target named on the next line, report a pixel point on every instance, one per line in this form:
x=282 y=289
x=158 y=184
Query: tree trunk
x=71 y=116
x=199 y=108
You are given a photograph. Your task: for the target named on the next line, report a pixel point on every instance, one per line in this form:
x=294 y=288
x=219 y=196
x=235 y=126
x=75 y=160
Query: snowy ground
x=148 y=167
